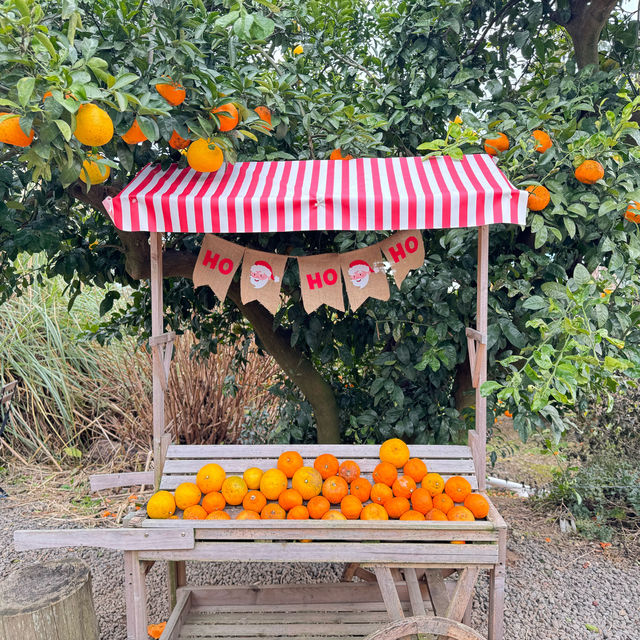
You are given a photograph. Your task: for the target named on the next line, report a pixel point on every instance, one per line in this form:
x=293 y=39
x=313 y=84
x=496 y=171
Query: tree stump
x=48 y=600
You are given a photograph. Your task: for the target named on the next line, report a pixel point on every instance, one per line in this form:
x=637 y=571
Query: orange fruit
x=477 y=504
x=234 y=489
x=289 y=498
x=195 y=512
x=458 y=542
x=434 y=483
x=394 y=451
x=254 y=501
x=415 y=469
x=318 y=506
x=155 y=630
x=273 y=483
x=93 y=172
x=210 y=478
x=403 y=487
x=218 y=515
x=336 y=154
x=386 y=473
x=176 y=141
x=412 y=515
x=380 y=493
x=589 y=172
x=298 y=49
x=213 y=501
x=273 y=511
x=435 y=514
x=539 y=197
x=327 y=465
x=93 y=125
x=307 y=481
x=457 y=488
x=264 y=114
x=351 y=507
x=374 y=511
x=493 y=145
x=361 y=489
x=227 y=116
x=247 y=515
x=632 y=214
x=443 y=502
x=134 y=135
x=421 y=500
x=299 y=512
x=460 y=514
x=334 y=489
x=289 y=462
x=349 y=470
x=204 y=156
x=11 y=133
x=252 y=477
x=187 y=494
x=173 y=92
x=543 y=139
x=334 y=514
x=397 y=506
x=161 y=505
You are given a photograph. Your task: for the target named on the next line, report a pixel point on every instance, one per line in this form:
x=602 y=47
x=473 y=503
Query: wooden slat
x=178 y=616
x=437 y=591
x=161 y=339
x=463 y=594
x=389 y=593
x=279 y=630
x=341 y=451
x=122 y=539
x=415 y=596
x=7 y=392
x=269 y=616
x=103 y=481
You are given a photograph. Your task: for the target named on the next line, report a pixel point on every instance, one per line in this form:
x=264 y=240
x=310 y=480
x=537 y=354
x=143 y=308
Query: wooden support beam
x=437 y=591
x=135 y=597
x=463 y=594
x=415 y=595
x=389 y=592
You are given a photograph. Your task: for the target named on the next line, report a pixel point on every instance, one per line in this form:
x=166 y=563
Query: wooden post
x=135 y=594
x=48 y=600
x=157 y=329
x=482 y=301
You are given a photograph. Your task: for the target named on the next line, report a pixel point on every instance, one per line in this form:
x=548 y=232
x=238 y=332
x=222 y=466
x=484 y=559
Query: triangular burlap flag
x=217 y=261
x=405 y=251
x=320 y=281
x=364 y=275
x=261 y=278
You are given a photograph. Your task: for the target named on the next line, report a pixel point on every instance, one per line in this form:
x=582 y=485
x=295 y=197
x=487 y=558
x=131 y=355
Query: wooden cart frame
x=401 y=566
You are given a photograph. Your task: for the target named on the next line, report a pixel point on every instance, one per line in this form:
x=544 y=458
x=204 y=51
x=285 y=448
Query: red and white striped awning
x=360 y=194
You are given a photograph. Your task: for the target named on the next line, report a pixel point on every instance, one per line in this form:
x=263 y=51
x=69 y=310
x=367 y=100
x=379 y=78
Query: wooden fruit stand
x=394 y=569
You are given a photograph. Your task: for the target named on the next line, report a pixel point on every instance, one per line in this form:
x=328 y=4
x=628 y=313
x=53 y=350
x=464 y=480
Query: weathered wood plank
x=122 y=539
x=366 y=608
x=135 y=597
x=273 y=617
x=389 y=592
x=435 y=626
x=415 y=595
x=463 y=594
x=102 y=481
x=179 y=614
x=281 y=630
x=437 y=591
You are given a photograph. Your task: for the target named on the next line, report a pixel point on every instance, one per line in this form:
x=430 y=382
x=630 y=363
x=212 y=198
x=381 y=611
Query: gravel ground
x=558 y=588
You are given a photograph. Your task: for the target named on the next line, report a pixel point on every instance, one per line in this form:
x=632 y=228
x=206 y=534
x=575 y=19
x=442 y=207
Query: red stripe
x=215 y=198
x=297 y=196
x=394 y=194
x=164 y=200
x=231 y=199
x=427 y=196
x=412 y=204
x=133 y=200
x=182 y=202
x=480 y=191
x=497 y=194
x=198 y=210
x=280 y=199
x=377 y=195
x=247 y=204
x=313 y=195
x=152 y=214
x=264 y=197
x=446 y=195
x=361 y=192
x=463 y=195
x=329 y=196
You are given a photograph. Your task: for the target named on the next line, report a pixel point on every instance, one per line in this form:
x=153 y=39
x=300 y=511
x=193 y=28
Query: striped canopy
x=360 y=194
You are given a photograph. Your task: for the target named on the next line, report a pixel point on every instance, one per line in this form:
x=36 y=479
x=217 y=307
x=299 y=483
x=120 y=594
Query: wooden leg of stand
x=389 y=593
x=135 y=597
x=437 y=591
x=496 y=603
x=463 y=594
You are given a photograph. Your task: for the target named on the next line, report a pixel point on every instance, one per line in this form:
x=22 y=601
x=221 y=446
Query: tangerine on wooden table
x=397 y=506
x=386 y=473
x=443 y=502
x=161 y=505
x=289 y=498
x=460 y=513
x=351 y=507
x=210 y=478
x=349 y=470
x=334 y=489
x=252 y=477
x=254 y=501
x=433 y=483
x=218 y=515
x=298 y=513
x=327 y=465
x=412 y=515
x=273 y=511
x=307 y=481
x=360 y=488
x=435 y=514
x=416 y=469
x=289 y=462
x=374 y=511
x=421 y=500
x=457 y=488
x=213 y=501
x=318 y=506
x=187 y=494
x=394 y=451
x=234 y=489
x=247 y=515
x=380 y=493
x=273 y=483
x=477 y=504
x=334 y=514
x=403 y=487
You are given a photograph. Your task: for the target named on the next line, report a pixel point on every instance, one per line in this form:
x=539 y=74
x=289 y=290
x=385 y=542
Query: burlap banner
x=261 y=278
x=320 y=281
x=404 y=251
x=364 y=275
x=218 y=261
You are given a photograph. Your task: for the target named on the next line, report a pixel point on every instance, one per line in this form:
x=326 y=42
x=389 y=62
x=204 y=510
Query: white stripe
x=385 y=190
x=505 y=190
x=471 y=192
x=454 y=220
x=305 y=195
x=336 y=194
x=273 y=197
x=125 y=203
x=288 y=196
x=488 y=189
x=190 y=201
x=403 y=194
x=239 y=199
x=173 y=201
x=255 y=200
x=369 y=198
x=157 y=199
x=207 y=196
x=321 y=195
x=421 y=200
x=223 y=201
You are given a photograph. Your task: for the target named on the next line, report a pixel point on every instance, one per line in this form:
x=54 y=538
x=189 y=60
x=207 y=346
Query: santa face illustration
x=359 y=272
x=261 y=273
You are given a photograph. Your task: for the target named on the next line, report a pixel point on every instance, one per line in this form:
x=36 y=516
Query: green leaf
x=25 y=88
x=149 y=127
x=581 y=275
x=489 y=387
x=534 y=303
x=124 y=80
x=570 y=226
x=65 y=129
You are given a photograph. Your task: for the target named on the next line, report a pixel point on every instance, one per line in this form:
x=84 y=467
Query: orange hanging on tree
x=632 y=214
x=134 y=135
x=589 y=172
x=543 y=139
x=539 y=197
x=227 y=115
x=11 y=133
x=172 y=92
x=493 y=146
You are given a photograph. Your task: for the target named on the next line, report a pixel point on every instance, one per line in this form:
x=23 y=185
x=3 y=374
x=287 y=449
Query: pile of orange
x=400 y=488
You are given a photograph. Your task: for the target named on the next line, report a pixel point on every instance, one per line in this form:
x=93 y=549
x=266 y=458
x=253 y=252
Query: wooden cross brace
x=162 y=350
x=477 y=347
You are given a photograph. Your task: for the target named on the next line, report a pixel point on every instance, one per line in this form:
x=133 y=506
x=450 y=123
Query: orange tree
x=370 y=79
